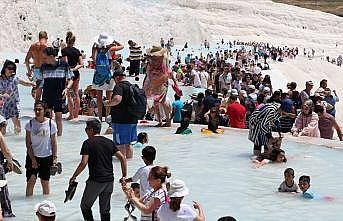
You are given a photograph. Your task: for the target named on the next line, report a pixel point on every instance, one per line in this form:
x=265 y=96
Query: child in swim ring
x=213 y=119
x=289 y=185
x=183 y=129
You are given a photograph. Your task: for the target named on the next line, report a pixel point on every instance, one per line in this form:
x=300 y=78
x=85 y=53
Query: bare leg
x=38 y=93
x=45 y=187
x=77 y=98
x=108 y=97
x=70 y=107
x=30 y=185
x=99 y=103
x=157 y=112
x=126 y=150
x=17 y=125
x=167 y=110
x=58 y=119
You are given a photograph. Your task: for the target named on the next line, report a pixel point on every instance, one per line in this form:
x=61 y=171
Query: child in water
x=304 y=185
x=276 y=156
x=142 y=139
x=213 y=120
x=183 y=129
x=289 y=185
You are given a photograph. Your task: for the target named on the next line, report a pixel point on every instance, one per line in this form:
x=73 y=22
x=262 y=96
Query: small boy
x=148 y=156
x=136 y=189
x=304 y=185
x=289 y=185
x=177 y=107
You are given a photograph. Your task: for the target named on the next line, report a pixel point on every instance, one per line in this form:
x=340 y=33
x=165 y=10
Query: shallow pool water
x=217 y=169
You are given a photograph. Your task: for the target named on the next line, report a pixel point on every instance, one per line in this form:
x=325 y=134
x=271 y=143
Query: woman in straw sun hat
x=102 y=50
x=175 y=210
x=156 y=83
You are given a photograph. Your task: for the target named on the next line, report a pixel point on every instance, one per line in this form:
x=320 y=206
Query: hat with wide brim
x=71 y=191
x=178 y=189
x=102 y=40
x=157 y=51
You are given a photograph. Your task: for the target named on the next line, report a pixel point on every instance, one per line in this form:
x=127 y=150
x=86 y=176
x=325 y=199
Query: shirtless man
x=36 y=53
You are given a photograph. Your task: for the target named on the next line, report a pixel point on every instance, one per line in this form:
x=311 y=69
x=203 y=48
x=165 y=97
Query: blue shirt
x=177 y=106
x=287 y=105
x=309 y=194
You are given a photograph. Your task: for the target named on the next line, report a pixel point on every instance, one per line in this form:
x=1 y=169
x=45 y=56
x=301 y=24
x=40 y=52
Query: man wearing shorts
x=57 y=82
x=124 y=126
x=36 y=53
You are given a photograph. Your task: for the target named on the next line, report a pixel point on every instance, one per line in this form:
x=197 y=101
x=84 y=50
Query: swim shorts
x=38 y=77
x=43 y=170
x=124 y=133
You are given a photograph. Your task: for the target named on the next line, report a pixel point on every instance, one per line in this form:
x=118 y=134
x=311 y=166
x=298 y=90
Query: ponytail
x=70 y=38
x=160 y=173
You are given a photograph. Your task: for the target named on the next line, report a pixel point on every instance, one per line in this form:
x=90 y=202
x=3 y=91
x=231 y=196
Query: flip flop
x=16 y=167
x=71 y=191
x=56 y=169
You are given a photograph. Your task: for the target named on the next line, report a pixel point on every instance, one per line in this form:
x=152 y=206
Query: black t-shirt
x=73 y=55
x=100 y=151
x=209 y=102
x=119 y=113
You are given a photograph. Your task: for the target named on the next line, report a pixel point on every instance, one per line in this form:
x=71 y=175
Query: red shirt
x=236 y=113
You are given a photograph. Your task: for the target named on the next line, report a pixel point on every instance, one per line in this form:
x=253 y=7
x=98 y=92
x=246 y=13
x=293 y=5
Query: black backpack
x=137 y=104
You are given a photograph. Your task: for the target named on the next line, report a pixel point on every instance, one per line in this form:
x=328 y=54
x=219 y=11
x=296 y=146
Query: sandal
x=168 y=124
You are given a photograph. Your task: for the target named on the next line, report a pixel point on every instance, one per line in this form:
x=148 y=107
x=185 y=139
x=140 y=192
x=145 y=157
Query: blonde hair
x=70 y=38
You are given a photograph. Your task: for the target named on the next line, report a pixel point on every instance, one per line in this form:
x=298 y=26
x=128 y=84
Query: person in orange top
x=236 y=113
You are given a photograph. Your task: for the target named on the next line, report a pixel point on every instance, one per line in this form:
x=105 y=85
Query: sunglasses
x=11 y=68
x=39 y=109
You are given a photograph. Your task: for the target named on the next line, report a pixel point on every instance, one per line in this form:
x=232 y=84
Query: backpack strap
x=50 y=127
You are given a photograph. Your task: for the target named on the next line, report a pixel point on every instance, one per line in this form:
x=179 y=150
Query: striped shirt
x=135 y=53
x=59 y=70
x=160 y=194
x=261 y=123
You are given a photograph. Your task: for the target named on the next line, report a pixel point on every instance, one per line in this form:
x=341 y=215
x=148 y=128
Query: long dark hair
x=6 y=64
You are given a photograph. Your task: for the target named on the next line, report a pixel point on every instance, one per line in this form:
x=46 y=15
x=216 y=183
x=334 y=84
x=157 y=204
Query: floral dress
x=10 y=107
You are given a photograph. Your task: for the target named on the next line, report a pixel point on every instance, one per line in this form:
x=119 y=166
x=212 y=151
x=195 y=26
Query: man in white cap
x=306 y=93
x=46 y=211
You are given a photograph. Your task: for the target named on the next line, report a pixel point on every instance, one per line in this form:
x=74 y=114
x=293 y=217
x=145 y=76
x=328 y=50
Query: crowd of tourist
x=231 y=90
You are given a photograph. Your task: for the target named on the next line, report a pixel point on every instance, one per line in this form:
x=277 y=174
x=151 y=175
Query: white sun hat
x=103 y=40
x=46 y=208
x=178 y=188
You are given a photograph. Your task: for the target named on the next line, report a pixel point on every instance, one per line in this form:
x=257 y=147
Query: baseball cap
x=46 y=208
x=309 y=83
x=118 y=72
x=234 y=92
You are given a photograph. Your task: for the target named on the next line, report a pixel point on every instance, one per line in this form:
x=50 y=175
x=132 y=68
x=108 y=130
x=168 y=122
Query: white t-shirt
x=225 y=81
x=185 y=213
x=204 y=79
x=41 y=137
x=142 y=175
x=197 y=81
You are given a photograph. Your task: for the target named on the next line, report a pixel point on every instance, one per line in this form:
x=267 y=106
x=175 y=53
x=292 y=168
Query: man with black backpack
x=128 y=105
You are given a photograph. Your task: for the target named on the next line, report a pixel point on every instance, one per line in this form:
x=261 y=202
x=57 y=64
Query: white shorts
x=105 y=87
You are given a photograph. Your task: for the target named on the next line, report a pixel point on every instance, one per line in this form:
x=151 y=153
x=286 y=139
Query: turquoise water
x=217 y=169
